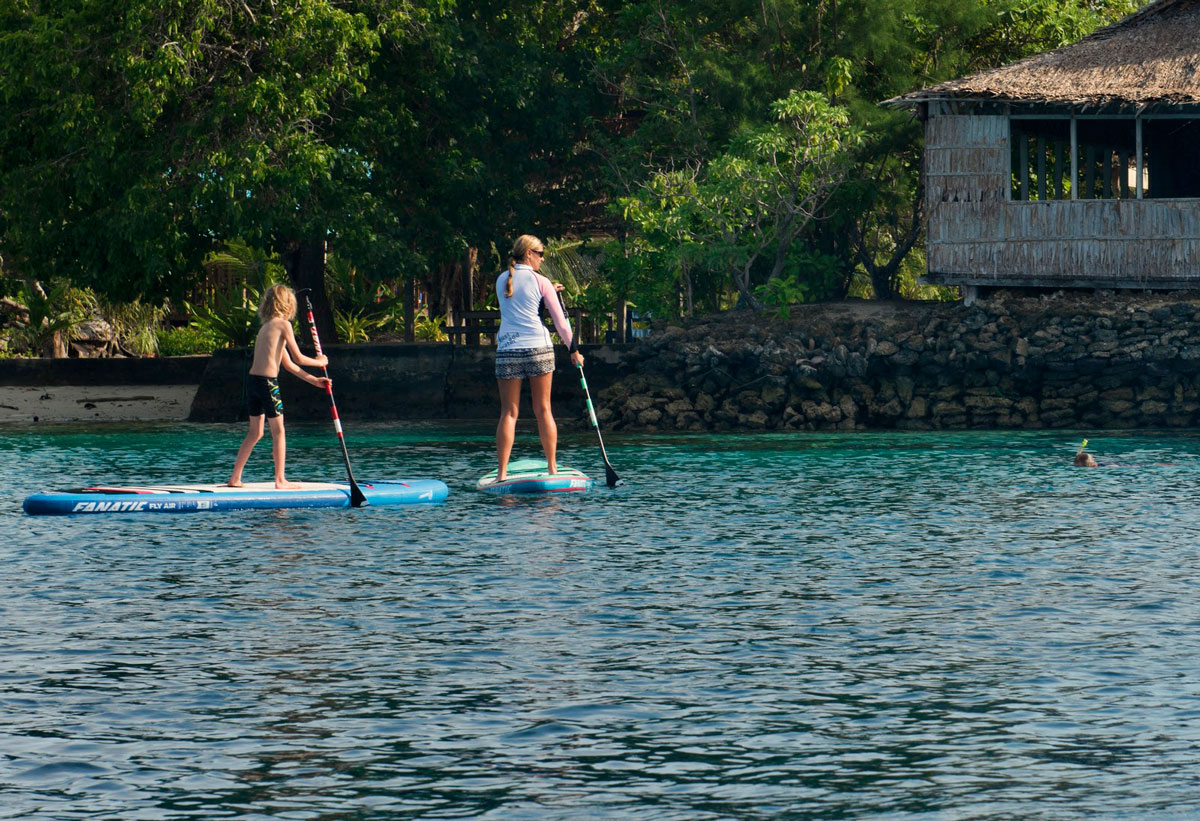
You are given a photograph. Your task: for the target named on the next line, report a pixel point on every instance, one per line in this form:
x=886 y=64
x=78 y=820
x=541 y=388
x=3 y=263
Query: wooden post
x=1089 y=186
x=410 y=309
x=468 y=279
x=1024 y=167
x=1138 y=122
x=1041 y=167
x=1059 y=175
x=1074 y=158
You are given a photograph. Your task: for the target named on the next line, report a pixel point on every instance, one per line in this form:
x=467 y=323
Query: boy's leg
x=279 y=453
x=243 y=455
x=539 y=389
x=506 y=428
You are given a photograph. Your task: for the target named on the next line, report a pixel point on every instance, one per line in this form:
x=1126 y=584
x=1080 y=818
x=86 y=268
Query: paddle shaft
x=357 y=497
x=610 y=475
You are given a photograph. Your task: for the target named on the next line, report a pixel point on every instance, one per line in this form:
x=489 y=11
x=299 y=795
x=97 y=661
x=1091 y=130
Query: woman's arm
x=550 y=300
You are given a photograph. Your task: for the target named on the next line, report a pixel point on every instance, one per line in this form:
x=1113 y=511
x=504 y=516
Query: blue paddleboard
x=530 y=476
x=254 y=495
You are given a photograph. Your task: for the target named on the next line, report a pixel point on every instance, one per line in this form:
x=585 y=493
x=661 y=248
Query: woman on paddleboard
x=524 y=349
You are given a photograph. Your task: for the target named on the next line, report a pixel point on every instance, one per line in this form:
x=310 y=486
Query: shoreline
x=39 y=404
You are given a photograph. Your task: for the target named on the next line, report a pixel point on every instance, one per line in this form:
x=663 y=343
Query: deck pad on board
x=186 y=498
x=530 y=476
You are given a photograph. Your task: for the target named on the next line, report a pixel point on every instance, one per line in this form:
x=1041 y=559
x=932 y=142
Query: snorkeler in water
x=1083 y=459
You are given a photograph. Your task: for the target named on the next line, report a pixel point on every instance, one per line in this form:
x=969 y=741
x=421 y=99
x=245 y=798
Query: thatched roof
x=1152 y=56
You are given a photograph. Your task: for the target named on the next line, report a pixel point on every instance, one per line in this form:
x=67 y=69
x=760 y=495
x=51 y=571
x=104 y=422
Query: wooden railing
x=471 y=326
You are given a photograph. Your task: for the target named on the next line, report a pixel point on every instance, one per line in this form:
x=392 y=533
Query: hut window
x=1041 y=159
x=1172 y=164
x=1099 y=161
x=1106 y=159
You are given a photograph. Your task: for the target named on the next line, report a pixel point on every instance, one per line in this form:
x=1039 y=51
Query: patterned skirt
x=523 y=362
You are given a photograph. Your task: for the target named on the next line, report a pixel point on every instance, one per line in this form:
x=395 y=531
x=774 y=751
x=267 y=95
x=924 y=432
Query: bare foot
x=232 y=483
x=284 y=484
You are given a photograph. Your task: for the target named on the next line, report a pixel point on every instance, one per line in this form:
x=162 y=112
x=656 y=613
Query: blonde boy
x=275 y=346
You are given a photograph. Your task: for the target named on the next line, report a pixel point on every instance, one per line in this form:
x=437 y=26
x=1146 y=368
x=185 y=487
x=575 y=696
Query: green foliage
x=54 y=311
x=355 y=327
x=137 y=138
x=135 y=325
x=429 y=329
x=230 y=319
x=186 y=341
x=810 y=277
x=136 y=135
x=361 y=306
x=741 y=214
x=246 y=265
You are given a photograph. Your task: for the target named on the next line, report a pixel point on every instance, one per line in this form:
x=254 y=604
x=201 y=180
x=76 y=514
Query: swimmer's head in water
x=1083 y=459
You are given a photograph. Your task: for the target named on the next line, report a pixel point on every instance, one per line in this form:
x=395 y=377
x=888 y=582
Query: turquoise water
x=888 y=625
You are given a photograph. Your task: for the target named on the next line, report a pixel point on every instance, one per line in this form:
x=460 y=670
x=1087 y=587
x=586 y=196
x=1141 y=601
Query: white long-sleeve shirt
x=520 y=323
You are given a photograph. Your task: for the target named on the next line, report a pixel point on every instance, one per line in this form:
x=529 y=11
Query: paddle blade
x=611 y=478
x=357 y=497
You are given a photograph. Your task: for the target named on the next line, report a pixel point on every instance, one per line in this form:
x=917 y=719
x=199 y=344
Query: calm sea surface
x=821 y=626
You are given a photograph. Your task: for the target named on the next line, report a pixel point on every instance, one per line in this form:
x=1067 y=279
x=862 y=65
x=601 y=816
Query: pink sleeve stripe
x=550 y=297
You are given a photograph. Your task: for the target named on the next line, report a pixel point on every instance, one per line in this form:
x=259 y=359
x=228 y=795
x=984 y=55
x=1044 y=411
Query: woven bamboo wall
x=977 y=235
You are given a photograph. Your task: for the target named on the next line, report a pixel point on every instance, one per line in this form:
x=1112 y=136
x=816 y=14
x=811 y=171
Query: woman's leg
x=539 y=389
x=506 y=429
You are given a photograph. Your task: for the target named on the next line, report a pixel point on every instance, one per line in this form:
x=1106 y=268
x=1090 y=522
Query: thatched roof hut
x=1076 y=167
x=1151 y=57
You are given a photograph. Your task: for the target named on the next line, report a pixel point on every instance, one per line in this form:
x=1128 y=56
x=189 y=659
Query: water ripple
x=901 y=625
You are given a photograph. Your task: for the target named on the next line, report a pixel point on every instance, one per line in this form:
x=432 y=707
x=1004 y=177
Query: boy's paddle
x=357 y=498
x=610 y=475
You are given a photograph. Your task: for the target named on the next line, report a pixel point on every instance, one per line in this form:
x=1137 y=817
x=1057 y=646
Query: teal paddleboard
x=530 y=476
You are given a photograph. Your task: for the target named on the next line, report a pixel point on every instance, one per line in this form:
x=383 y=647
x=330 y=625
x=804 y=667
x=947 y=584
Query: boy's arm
x=289 y=340
x=315 y=381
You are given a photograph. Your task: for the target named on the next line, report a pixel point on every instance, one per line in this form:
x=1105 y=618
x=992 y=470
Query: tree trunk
x=746 y=298
x=468 y=279
x=304 y=262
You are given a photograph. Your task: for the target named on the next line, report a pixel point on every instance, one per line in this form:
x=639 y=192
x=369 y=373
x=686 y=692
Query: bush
x=187 y=341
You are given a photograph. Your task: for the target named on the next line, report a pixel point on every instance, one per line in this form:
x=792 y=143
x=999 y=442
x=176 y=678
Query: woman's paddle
x=610 y=475
x=357 y=498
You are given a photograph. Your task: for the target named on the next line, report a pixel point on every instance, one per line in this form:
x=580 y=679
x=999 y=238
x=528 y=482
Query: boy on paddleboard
x=274 y=346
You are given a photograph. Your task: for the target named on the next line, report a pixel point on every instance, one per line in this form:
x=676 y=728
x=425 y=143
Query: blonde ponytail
x=521 y=247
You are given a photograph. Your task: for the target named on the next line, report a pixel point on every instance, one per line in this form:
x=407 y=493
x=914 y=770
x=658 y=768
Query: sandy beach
x=96 y=403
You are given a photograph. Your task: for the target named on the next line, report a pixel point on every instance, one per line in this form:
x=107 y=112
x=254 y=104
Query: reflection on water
x=941 y=625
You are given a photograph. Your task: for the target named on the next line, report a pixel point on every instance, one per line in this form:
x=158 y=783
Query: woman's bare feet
x=232 y=483
x=284 y=484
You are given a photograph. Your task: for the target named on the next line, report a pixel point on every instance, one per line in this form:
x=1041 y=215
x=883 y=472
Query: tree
x=743 y=211
x=135 y=136
x=685 y=76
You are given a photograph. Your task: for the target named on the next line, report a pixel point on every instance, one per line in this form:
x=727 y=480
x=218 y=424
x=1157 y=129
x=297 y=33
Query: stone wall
x=1097 y=361
x=382 y=381
x=85 y=372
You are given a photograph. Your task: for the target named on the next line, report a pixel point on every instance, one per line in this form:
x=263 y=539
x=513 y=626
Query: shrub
x=187 y=341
